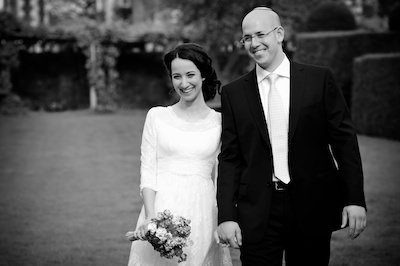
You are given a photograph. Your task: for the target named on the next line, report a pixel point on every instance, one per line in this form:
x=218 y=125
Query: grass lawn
x=69 y=192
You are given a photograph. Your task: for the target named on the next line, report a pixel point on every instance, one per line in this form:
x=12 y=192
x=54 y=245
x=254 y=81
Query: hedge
x=337 y=50
x=376 y=95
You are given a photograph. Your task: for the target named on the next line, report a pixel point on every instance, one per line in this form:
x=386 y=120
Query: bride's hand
x=140 y=233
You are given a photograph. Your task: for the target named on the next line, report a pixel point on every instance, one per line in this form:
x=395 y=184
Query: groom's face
x=264 y=37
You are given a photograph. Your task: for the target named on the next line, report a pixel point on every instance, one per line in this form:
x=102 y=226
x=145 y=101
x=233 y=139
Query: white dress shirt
x=282 y=84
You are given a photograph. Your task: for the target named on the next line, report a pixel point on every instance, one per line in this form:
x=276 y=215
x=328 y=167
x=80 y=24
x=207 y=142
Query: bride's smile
x=186 y=90
x=186 y=79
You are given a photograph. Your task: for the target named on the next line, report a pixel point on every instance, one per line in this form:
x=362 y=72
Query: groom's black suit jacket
x=319 y=126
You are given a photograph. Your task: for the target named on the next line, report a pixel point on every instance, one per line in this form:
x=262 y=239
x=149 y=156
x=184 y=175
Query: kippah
x=262 y=8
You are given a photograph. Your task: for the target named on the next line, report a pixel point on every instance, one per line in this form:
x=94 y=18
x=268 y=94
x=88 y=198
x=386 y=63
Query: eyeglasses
x=259 y=36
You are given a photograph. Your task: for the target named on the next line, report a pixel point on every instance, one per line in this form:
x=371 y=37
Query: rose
x=168 y=235
x=152 y=227
x=161 y=232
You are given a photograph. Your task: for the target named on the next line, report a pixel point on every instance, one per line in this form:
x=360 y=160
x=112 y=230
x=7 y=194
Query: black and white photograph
x=199 y=132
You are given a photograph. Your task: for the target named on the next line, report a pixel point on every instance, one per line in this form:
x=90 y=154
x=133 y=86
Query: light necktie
x=278 y=131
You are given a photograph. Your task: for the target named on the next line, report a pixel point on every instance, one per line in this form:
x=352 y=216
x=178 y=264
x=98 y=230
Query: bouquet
x=168 y=235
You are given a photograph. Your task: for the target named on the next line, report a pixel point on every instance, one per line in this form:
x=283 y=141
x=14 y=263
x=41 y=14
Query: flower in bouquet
x=169 y=235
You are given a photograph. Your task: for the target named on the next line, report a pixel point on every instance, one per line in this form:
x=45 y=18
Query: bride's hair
x=199 y=57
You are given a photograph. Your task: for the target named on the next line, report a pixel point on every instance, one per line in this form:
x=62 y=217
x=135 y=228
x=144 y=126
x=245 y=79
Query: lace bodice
x=175 y=146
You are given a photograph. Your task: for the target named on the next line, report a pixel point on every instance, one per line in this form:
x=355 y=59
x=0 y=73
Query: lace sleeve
x=148 y=166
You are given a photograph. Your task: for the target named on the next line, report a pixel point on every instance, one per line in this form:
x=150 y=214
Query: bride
x=179 y=151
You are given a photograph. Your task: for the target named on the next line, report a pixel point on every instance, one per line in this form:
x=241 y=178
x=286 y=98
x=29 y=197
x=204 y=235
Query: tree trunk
x=92 y=95
x=138 y=11
x=109 y=12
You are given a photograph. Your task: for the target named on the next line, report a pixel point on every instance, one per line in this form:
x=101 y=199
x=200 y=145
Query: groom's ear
x=280 y=34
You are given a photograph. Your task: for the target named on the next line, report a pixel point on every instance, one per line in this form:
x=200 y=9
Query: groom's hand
x=356 y=218
x=229 y=233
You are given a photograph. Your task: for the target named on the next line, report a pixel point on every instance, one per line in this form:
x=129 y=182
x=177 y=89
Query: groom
x=289 y=169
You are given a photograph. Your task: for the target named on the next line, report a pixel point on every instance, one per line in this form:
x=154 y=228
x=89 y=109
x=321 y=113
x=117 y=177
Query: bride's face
x=186 y=79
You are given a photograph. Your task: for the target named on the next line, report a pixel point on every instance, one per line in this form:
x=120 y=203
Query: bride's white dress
x=178 y=159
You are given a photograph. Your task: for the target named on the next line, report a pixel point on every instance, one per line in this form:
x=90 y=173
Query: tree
x=331 y=16
x=386 y=6
x=9 y=50
x=215 y=25
x=94 y=34
x=62 y=11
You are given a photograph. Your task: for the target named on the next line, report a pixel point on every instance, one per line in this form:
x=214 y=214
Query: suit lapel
x=254 y=100
x=297 y=86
